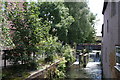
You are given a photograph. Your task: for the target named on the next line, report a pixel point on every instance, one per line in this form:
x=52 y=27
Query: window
x=118 y=56
x=107 y=26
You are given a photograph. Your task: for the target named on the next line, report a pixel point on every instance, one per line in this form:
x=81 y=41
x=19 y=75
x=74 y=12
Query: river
x=93 y=69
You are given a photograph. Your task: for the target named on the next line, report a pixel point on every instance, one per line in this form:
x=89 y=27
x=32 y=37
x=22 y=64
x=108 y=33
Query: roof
x=104 y=7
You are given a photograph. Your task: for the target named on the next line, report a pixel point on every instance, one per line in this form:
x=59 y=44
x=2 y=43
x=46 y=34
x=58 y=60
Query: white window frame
x=117 y=50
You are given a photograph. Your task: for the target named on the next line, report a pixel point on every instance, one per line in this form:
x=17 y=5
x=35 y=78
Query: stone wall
x=110 y=40
x=48 y=72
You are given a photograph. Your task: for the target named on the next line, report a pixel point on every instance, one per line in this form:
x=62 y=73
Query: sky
x=96 y=7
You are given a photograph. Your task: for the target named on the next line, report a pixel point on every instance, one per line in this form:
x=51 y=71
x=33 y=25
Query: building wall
x=117 y=72
x=110 y=39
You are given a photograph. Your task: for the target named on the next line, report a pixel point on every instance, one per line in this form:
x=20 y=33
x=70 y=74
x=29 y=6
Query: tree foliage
x=71 y=22
x=28 y=29
x=5 y=39
x=82 y=30
x=59 y=16
x=32 y=27
x=40 y=28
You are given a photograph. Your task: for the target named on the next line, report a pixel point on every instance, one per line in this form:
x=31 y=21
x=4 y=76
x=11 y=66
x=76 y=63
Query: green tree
x=28 y=30
x=58 y=15
x=82 y=30
x=31 y=31
x=5 y=39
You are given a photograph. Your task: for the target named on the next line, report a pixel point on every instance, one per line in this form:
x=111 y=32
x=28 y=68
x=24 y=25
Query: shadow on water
x=92 y=70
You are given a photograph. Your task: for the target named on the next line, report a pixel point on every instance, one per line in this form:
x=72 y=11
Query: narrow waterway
x=92 y=70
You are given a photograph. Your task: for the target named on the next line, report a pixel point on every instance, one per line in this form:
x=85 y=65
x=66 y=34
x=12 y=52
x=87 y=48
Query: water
x=92 y=70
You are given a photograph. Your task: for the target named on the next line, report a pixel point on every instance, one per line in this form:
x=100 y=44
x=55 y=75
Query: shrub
x=69 y=57
x=60 y=70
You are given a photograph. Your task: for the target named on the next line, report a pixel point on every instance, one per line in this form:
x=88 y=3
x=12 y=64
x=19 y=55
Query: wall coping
x=117 y=68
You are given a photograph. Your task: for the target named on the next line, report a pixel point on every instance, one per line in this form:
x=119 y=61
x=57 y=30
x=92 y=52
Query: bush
x=69 y=57
x=60 y=70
